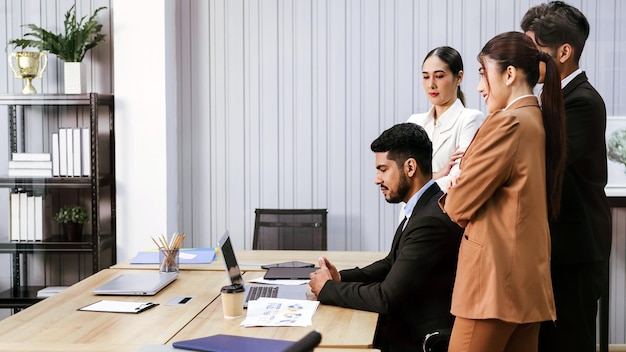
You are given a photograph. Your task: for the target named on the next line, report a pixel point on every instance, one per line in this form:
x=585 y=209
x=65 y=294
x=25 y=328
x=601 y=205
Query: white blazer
x=455 y=128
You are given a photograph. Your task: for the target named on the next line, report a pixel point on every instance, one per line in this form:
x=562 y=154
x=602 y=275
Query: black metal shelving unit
x=96 y=242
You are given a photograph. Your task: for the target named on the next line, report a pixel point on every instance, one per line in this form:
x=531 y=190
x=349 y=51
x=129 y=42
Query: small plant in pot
x=72 y=218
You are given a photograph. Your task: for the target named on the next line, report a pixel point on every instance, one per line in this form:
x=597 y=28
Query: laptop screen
x=232 y=268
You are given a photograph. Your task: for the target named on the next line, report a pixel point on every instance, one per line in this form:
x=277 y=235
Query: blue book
x=186 y=256
x=232 y=343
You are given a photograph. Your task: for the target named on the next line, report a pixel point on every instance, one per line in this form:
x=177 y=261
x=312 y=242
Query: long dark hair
x=453 y=59
x=518 y=50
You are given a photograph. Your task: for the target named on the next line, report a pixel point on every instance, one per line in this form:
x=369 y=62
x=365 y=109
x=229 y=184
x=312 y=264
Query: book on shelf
x=30 y=172
x=70 y=151
x=14 y=199
x=26 y=217
x=30 y=168
x=76 y=134
x=55 y=154
x=38 y=218
x=15 y=164
x=62 y=151
x=30 y=218
x=30 y=156
x=23 y=199
x=86 y=151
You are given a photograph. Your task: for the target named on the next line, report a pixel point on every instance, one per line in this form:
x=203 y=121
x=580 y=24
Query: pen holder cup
x=232 y=300
x=168 y=259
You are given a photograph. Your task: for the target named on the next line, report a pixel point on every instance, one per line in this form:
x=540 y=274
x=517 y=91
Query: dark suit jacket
x=582 y=232
x=411 y=288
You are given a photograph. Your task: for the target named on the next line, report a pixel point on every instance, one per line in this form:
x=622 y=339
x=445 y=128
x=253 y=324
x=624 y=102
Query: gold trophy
x=28 y=63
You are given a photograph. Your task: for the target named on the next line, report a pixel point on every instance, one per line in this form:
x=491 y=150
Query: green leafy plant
x=72 y=213
x=616 y=146
x=70 y=46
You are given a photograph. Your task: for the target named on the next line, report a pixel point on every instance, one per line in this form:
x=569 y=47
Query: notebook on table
x=232 y=343
x=255 y=291
x=136 y=284
x=289 y=273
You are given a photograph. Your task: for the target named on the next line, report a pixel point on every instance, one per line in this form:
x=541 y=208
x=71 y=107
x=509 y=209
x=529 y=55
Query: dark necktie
x=396 y=238
x=401 y=226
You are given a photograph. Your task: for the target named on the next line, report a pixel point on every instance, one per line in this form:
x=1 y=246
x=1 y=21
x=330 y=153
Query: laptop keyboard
x=255 y=292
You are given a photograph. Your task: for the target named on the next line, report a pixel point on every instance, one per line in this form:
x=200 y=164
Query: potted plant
x=72 y=218
x=71 y=46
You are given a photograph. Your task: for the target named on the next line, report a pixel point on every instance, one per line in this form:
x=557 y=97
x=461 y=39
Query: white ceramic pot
x=74 y=78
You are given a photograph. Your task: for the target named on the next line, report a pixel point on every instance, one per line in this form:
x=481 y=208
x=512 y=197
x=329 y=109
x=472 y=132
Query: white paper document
x=119 y=306
x=280 y=312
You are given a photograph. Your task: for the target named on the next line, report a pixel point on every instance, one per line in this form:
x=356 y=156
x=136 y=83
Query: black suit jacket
x=411 y=288
x=582 y=233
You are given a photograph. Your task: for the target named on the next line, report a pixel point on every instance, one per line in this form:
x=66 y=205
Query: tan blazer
x=504 y=260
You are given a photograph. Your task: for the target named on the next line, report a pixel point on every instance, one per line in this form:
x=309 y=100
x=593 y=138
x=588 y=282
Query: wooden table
x=101 y=347
x=56 y=319
x=252 y=260
x=340 y=327
x=54 y=324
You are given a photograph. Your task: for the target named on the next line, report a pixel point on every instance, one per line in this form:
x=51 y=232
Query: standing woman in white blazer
x=449 y=124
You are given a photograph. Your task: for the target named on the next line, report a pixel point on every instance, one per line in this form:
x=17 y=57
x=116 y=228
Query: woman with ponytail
x=508 y=188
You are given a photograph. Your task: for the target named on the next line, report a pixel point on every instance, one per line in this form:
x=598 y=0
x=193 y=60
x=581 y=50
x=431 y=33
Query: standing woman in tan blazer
x=508 y=187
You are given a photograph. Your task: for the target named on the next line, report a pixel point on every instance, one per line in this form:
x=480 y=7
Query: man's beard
x=403 y=190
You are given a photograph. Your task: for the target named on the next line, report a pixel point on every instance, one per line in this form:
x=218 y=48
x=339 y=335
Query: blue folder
x=186 y=256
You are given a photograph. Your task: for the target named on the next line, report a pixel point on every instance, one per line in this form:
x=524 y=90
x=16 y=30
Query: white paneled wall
x=278 y=101
x=281 y=100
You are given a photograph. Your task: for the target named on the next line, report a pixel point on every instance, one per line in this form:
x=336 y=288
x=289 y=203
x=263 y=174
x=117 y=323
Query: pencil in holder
x=169 y=260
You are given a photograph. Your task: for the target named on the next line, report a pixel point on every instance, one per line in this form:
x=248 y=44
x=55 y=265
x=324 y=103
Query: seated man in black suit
x=411 y=288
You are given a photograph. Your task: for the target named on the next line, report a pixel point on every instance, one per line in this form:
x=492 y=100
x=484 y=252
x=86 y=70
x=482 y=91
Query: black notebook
x=231 y=343
x=288 y=273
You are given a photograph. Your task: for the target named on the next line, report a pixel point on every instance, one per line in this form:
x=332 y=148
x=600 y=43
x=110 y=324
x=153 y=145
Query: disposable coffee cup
x=232 y=301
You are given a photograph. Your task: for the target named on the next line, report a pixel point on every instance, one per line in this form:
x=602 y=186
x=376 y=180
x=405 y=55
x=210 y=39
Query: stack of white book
x=26 y=217
x=30 y=165
x=71 y=152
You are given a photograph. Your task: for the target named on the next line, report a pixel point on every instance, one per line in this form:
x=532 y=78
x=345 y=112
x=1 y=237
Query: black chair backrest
x=297 y=229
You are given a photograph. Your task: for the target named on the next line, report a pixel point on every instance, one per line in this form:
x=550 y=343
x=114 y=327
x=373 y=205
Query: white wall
x=145 y=117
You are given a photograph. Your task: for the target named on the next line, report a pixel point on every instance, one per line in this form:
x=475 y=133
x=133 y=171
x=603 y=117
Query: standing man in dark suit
x=411 y=288
x=581 y=236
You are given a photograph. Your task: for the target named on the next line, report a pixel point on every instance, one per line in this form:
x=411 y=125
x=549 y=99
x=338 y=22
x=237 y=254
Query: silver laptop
x=136 y=284
x=255 y=291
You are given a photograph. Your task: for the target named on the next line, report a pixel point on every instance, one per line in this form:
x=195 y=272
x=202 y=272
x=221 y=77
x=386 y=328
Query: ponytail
x=553 y=113
x=460 y=95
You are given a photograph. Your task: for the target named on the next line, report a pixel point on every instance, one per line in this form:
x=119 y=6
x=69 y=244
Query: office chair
x=296 y=229
x=437 y=341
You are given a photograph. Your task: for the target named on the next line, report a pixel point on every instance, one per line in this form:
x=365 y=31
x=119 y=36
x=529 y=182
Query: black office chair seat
x=437 y=341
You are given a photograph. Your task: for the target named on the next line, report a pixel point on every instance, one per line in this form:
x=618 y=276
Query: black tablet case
x=289 y=273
